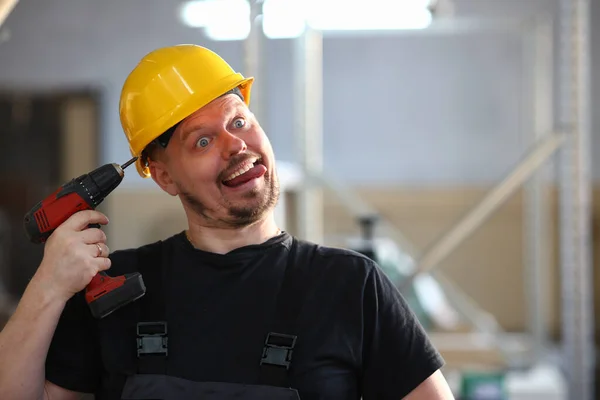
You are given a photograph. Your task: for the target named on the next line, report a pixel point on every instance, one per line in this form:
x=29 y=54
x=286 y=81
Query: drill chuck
x=100 y=183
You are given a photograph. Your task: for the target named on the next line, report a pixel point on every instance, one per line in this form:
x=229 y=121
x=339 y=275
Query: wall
x=446 y=110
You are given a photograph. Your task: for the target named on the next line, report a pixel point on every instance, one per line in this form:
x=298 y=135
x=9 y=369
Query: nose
x=232 y=145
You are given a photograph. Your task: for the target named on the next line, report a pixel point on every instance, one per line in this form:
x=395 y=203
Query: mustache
x=235 y=162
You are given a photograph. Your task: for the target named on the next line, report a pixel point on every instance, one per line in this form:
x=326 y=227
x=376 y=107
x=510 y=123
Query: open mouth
x=253 y=168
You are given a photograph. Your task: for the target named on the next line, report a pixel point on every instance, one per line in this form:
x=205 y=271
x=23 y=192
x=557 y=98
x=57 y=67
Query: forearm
x=25 y=340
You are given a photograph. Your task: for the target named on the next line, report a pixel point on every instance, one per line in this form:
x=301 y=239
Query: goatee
x=238 y=215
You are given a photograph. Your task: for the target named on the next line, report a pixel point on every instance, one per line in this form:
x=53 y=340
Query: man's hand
x=73 y=255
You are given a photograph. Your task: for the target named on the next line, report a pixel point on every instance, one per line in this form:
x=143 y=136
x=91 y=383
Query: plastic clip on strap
x=152 y=346
x=152 y=339
x=278 y=350
x=152 y=333
x=280 y=342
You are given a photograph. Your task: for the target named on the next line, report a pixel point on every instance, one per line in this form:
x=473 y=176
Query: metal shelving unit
x=575 y=198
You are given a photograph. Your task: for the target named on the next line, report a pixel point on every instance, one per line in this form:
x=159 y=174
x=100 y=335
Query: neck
x=224 y=240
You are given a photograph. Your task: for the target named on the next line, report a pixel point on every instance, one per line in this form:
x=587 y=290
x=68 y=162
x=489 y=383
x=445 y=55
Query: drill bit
x=128 y=163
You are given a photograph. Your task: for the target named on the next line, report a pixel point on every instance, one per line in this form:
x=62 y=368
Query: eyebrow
x=195 y=127
x=189 y=130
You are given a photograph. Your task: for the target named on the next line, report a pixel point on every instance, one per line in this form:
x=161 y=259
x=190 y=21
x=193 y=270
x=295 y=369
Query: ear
x=161 y=176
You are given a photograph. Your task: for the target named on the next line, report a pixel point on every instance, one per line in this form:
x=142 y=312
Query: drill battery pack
x=114 y=293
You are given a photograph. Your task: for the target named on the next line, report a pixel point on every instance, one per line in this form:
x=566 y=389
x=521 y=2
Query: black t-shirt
x=358 y=336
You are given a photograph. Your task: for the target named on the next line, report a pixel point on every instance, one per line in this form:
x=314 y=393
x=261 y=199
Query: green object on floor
x=483 y=385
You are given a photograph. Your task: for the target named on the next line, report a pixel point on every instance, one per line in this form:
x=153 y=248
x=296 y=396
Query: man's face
x=221 y=164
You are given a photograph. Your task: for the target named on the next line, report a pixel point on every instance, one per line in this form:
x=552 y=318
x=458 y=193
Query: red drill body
x=104 y=294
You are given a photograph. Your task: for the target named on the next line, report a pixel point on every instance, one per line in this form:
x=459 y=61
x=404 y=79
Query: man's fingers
x=82 y=219
x=104 y=250
x=93 y=235
x=103 y=263
x=99 y=250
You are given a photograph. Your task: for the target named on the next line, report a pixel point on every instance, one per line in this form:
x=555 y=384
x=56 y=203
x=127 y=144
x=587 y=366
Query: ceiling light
x=230 y=19
x=221 y=19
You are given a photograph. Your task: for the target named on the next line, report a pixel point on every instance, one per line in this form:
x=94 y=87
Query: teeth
x=245 y=167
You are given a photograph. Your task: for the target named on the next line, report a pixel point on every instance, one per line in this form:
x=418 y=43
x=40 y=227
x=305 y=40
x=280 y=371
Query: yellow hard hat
x=168 y=85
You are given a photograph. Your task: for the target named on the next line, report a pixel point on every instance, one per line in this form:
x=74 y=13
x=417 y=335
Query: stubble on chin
x=232 y=215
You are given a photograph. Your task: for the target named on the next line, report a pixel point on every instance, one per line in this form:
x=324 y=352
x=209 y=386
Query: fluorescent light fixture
x=288 y=18
x=358 y=15
x=221 y=19
x=283 y=18
x=230 y=19
x=195 y=14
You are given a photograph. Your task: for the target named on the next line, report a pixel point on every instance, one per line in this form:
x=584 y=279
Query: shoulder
x=341 y=269
x=129 y=259
x=336 y=255
x=341 y=264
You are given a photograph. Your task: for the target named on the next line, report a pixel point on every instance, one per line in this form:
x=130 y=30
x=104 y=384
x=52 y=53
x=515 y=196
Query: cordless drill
x=104 y=294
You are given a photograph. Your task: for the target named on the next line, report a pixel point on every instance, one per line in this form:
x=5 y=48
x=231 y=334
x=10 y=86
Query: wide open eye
x=239 y=123
x=203 y=141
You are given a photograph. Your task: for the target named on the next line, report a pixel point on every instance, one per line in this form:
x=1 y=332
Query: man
x=234 y=307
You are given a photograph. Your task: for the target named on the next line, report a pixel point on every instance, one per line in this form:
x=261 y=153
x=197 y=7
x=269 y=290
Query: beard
x=255 y=204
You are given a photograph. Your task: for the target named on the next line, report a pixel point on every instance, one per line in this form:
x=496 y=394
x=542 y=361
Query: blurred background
x=450 y=140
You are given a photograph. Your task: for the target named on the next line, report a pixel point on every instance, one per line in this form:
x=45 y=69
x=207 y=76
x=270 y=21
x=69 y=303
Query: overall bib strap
x=281 y=340
x=151 y=328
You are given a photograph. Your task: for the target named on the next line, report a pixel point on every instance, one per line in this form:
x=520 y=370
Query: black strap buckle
x=152 y=338
x=278 y=349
